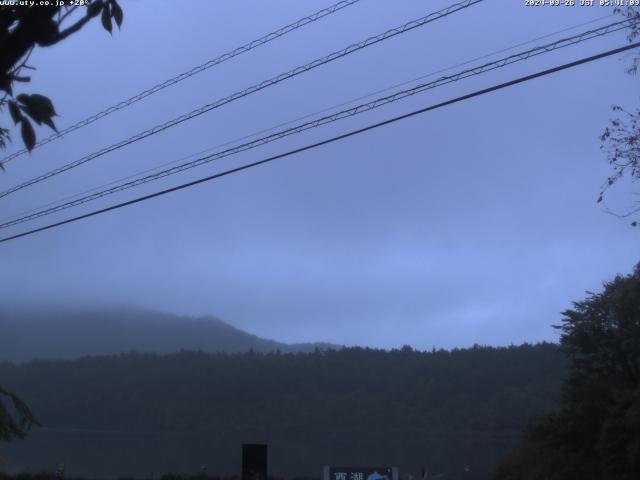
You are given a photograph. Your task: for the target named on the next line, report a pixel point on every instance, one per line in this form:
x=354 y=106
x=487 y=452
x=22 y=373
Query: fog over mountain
x=67 y=333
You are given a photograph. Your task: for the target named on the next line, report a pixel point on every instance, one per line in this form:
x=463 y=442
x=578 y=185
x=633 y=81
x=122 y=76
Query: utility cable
x=330 y=140
x=487 y=67
x=297 y=119
x=189 y=73
x=253 y=89
x=304 y=117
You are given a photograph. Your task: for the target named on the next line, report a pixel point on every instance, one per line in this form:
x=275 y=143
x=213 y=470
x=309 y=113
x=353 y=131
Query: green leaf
x=4 y=138
x=94 y=8
x=15 y=112
x=45 y=104
x=39 y=103
x=28 y=135
x=5 y=84
x=116 y=13
x=39 y=108
x=106 y=18
x=50 y=124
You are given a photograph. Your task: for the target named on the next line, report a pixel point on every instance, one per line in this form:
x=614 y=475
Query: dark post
x=254 y=461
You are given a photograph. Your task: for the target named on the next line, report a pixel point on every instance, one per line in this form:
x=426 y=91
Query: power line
x=255 y=88
x=189 y=73
x=304 y=117
x=330 y=140
x=500 y=63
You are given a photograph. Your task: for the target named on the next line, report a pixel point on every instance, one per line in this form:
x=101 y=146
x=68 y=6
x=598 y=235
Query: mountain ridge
x=65 y=333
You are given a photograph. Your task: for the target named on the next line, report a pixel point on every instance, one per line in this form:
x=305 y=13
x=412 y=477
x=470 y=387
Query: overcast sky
x=475 y=223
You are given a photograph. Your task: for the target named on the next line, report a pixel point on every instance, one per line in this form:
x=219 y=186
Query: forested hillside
x=447 y=409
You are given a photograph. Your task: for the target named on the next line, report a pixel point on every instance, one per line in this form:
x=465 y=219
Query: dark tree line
x=445 y=409
x=168 y=476
x=477 y=389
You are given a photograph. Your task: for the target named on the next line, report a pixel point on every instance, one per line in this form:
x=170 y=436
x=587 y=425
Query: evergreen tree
x=596 y=432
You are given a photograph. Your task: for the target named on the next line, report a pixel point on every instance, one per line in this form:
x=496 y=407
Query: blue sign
x=360 y=473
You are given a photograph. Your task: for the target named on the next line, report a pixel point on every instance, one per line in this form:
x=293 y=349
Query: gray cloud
x=475 y=223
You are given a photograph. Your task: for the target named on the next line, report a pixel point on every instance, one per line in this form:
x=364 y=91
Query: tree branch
x=71 y=30
x=66 y=14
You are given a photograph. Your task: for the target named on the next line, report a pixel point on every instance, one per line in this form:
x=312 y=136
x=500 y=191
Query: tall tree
x=596 y=432
x=621 y=139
